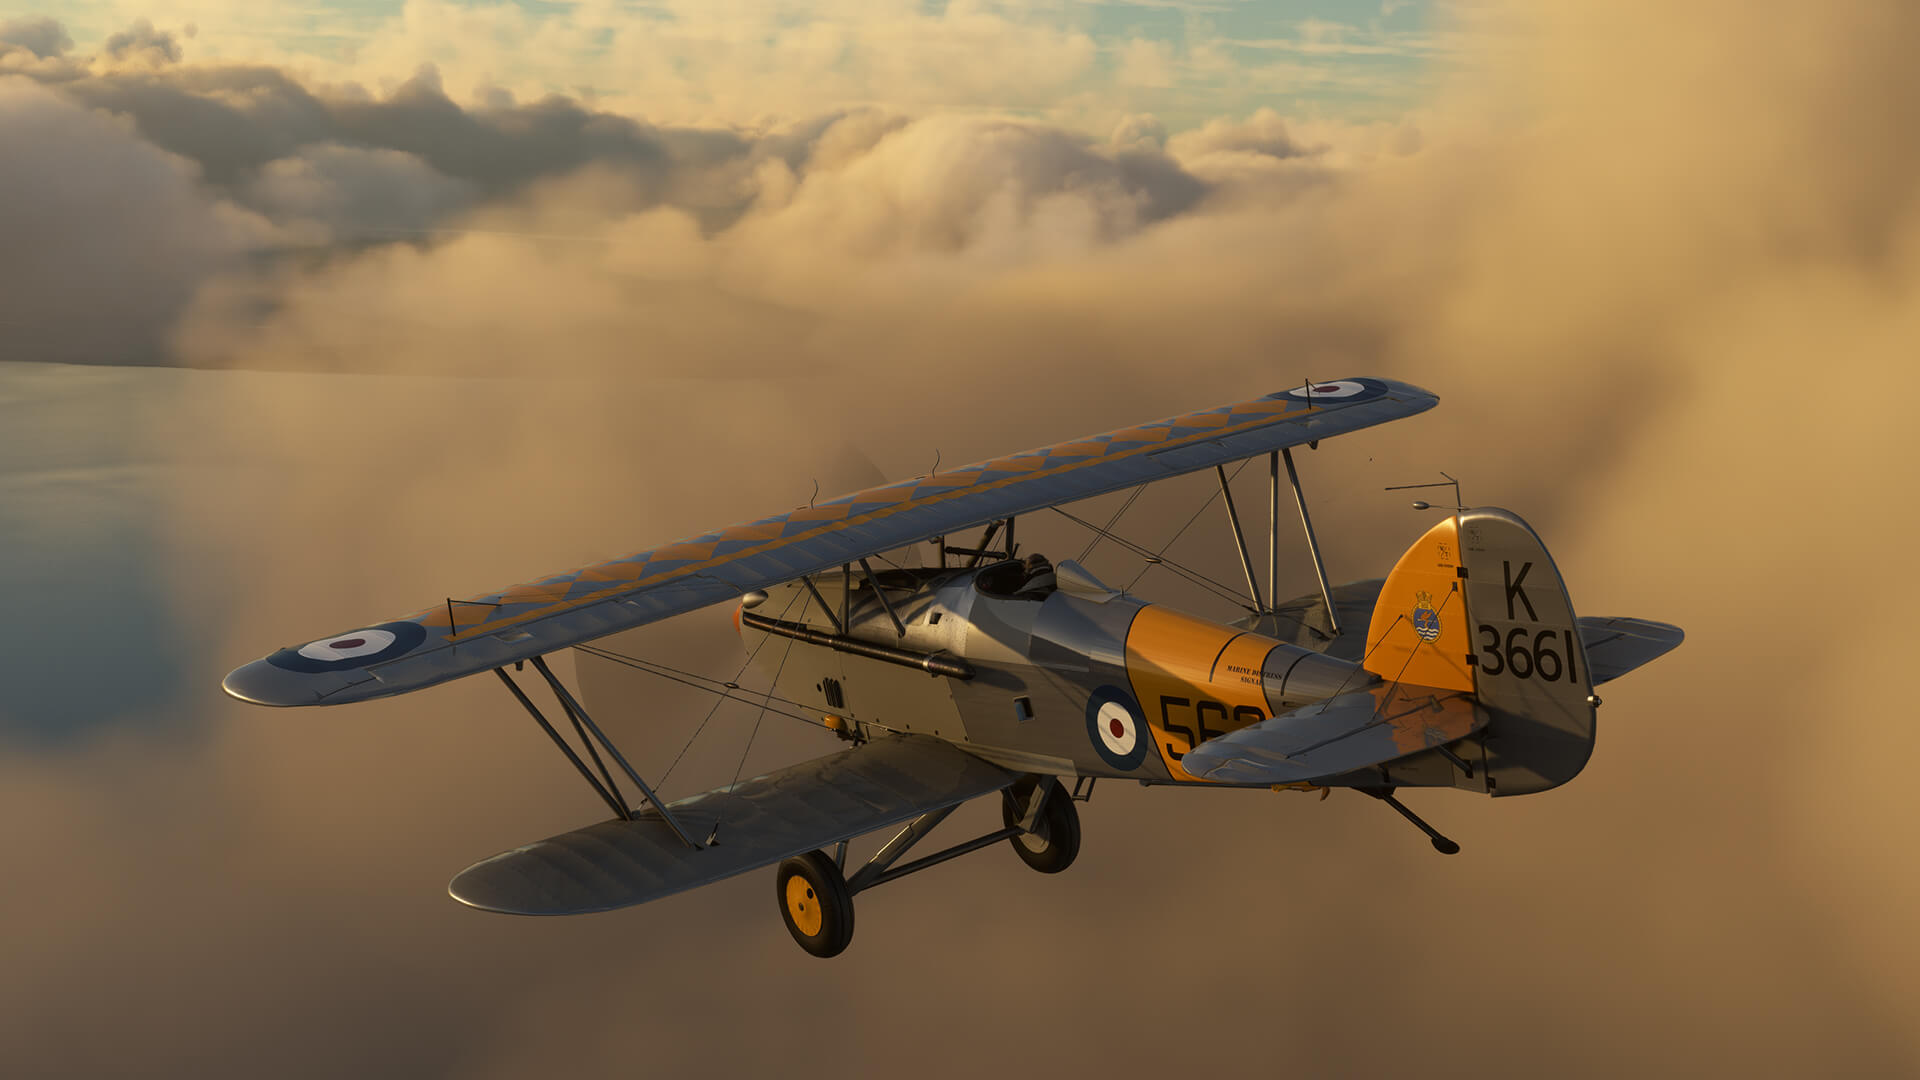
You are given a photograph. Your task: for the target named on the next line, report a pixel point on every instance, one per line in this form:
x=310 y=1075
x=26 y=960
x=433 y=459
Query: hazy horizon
x=310 y=317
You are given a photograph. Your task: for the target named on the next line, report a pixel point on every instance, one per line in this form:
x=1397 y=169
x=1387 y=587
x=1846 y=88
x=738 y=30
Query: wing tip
x=261 y=683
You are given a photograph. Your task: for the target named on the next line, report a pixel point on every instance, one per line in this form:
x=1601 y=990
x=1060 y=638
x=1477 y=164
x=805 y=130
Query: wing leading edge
x=617 y=863
x=464 y=638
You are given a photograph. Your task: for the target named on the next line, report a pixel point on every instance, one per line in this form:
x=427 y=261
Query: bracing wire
x=690 y=679
x=1161 y=554
x=684 y=747
x=721 y=817
x=1111 y=522
x=1415 y=651
x=680 y=675
x=1186 y=572
x=1379 y=710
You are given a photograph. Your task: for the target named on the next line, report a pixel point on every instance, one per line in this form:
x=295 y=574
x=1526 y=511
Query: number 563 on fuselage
x=994 y=673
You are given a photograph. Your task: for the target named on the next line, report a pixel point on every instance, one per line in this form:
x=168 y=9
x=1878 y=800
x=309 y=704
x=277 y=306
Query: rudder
x=1530 y=669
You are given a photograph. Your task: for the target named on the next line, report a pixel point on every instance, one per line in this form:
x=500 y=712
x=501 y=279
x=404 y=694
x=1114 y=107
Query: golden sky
x=291 y=348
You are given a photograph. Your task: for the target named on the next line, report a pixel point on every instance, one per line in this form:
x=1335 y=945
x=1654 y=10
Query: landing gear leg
x=1050 y=842
x=1440 y=843
x=816 y=897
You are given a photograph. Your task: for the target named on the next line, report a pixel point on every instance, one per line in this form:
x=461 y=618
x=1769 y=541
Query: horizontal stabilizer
x=761 y=821
x=1303 y=620
x=1344 y=733
x=1617 y=645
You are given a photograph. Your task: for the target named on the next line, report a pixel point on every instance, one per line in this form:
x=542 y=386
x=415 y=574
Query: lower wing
x=754 y=823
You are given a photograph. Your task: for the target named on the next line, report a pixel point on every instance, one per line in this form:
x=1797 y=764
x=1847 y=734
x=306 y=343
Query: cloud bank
x=1668 y=285
x=274 y=177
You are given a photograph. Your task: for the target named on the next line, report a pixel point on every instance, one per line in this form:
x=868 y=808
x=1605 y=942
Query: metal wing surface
x=620 y=863
x=1344 y=733
x=1616 y=645
x=458 y=638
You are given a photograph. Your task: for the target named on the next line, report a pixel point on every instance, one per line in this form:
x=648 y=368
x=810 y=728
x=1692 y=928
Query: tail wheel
x=815 y=903
x=1055 y=841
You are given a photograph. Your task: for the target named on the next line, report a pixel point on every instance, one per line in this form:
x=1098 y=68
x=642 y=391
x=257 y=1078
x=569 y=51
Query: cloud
x=356 y=190
x=36 y=46
x=107 y=236
x=1264 y=133
x=693 y=63
x=1146 y=63
x=141 y=43
x=40 y=35
x=1140 y=129
x=307 y=170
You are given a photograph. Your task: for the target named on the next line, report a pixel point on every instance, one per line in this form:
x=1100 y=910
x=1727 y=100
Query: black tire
x=1053 y=846
x=815 y=903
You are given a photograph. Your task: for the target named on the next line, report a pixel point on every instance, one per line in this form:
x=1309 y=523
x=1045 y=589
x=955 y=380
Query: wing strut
x=974 y=555
x=899 y=628
x=880 y=869
x=825 y=608
x=567 y=699
x=613 y=801
x=1273 y=529
x=1313 y=545
x=576 y=713
x=1239 y=539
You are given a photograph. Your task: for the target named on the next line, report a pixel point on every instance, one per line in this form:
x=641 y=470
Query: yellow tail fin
x=1477 y=605
x=1420 y=633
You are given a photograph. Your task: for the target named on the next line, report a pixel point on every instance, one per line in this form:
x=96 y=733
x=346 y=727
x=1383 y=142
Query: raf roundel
x=1113 y=724
x=1341 y=390
x=353 y=649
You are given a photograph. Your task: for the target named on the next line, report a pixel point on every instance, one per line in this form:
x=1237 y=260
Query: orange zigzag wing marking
x=1022 y=463
x=684 y=552
x=820 y=513
x=826 y=514
x=528 y=594
x=949 y=480
x=1139 y=434
x=611 y=572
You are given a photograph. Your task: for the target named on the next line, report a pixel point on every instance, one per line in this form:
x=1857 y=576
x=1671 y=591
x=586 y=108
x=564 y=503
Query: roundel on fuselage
x=1115 y=727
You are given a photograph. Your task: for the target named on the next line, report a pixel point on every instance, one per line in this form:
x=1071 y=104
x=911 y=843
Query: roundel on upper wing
x=1115 y=728
x=353 y=649
x=1339 y=390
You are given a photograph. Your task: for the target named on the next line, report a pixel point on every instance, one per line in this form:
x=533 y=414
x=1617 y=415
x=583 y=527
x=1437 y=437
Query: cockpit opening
x=1031 y=578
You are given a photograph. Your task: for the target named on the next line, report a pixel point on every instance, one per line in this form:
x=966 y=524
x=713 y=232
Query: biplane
x=993 y=673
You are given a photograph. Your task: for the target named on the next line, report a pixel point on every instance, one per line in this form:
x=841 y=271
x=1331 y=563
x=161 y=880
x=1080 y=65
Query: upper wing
x=761 y=821
x=449 y=641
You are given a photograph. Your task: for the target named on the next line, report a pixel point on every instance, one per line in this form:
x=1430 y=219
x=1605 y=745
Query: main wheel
x=1052 y=846
x=815 y=903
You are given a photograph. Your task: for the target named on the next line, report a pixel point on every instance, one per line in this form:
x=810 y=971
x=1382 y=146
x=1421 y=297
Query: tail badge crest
x=1426 y=620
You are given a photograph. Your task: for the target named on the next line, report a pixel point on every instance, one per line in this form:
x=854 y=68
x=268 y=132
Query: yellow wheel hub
x=803 y=906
